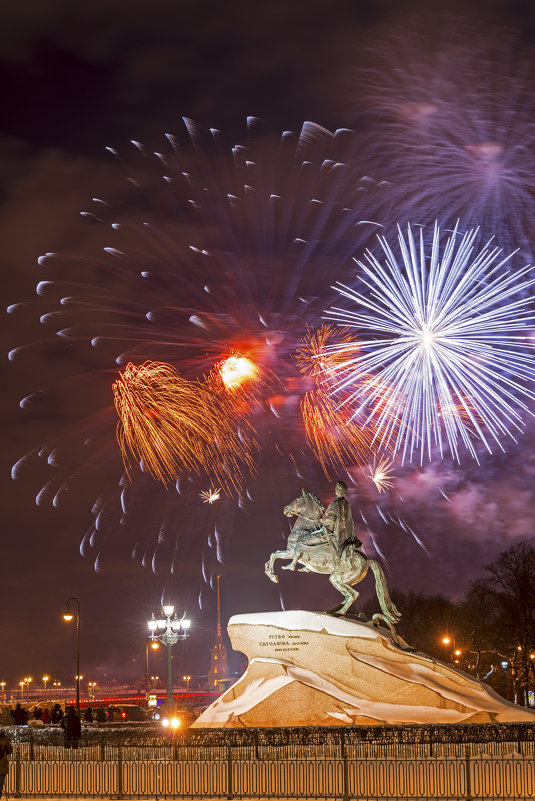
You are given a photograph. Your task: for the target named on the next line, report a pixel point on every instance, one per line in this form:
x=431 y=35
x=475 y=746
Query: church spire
x=218 y=610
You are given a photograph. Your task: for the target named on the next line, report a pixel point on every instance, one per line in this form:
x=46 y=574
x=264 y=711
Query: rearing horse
x=310 y=546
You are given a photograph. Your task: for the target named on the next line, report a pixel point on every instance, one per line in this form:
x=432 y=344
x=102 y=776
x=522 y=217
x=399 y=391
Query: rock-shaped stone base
x=308 y=669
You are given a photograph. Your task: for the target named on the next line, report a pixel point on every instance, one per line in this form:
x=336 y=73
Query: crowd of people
x=21 y=716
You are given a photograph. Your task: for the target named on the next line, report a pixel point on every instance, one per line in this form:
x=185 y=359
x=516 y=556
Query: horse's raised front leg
x=269 y=568
x=296 y=557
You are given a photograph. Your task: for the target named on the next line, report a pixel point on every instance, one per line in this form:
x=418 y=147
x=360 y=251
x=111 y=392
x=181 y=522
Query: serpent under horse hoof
x=311 y=546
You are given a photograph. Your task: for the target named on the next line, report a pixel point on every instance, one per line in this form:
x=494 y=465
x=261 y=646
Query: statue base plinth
x=309 y=669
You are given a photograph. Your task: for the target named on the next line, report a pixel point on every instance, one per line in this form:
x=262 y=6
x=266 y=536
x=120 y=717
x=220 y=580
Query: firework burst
x=220 y=250
x=381 y=473
x=452 y=116
x=449 y=334
x=173 y=426
x=211 y=495
x=334 y=434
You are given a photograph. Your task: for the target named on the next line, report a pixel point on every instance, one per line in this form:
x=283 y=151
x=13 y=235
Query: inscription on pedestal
x=283 y=642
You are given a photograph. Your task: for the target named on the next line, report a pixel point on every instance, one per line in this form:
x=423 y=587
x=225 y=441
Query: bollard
x=345 y=768
x=17 y=792
x=230 y=791
x=120 y=772
x=467 y=773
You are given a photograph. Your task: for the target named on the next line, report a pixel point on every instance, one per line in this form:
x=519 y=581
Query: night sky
x=75 y=79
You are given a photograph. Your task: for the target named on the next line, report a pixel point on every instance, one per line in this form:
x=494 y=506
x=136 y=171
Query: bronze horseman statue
x=324 y=541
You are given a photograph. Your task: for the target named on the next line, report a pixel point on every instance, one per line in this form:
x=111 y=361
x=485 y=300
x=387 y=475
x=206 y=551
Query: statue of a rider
x=336 y=528
x=338 y=522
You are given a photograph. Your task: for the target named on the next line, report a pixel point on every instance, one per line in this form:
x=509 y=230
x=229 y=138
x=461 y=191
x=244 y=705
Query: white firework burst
x=210 y=495
x=446 y=355
x=381 y=473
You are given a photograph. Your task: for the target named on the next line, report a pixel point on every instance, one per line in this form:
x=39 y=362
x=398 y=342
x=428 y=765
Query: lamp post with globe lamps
x=45 y=680
x=169 y=631
x=68 y=616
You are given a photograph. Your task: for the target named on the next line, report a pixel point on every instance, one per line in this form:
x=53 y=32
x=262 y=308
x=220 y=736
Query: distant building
x=218 y=678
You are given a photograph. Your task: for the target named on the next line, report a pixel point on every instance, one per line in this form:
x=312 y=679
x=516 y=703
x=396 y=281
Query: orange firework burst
x=316 y=357
x=339 y=434
x=237 y=370
x=241 y=384
x=171 y=425
x=336 y=440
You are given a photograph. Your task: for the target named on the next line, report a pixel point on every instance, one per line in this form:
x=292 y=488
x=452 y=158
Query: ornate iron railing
x=340 y=763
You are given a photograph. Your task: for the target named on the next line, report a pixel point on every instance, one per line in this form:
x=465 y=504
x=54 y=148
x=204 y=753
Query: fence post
x=17 y=793
x=468 y=773
x=32 y=755
x=345 y=767
x=101 y=748
x=230 y=789
x=120 y=771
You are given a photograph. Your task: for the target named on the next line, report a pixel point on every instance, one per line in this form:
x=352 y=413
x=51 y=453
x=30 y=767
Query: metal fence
x=344 y=764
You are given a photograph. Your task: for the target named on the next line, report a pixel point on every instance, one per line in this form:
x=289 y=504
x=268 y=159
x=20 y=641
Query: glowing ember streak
x=381 y=474
x=211 y=495
x=447 y=334
x=172 y=425
x=237 y=370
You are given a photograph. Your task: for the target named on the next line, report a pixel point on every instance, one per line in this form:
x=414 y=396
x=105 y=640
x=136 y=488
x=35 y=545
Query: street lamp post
x=68 y=616
x=45 y=680
x=3 y=686
x=169 y=631
x=57 y=685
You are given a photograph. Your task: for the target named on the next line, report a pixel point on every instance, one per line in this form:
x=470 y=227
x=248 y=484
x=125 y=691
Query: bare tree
x=502 y=607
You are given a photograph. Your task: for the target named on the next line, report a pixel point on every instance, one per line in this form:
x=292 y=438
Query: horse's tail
x=388 y=608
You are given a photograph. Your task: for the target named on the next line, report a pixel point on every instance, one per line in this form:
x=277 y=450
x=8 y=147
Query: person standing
x=20 y=716
x=57 y=714
x=72 y=727
x=5 y=750
x=88 y=715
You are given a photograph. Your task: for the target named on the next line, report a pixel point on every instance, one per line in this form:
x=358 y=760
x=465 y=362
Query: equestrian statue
x=324 y=541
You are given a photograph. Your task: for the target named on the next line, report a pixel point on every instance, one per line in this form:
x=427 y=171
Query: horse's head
x=305 y=505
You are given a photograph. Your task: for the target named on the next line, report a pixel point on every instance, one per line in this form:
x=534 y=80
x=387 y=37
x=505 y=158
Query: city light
x=170 y=631
x=68 y=616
